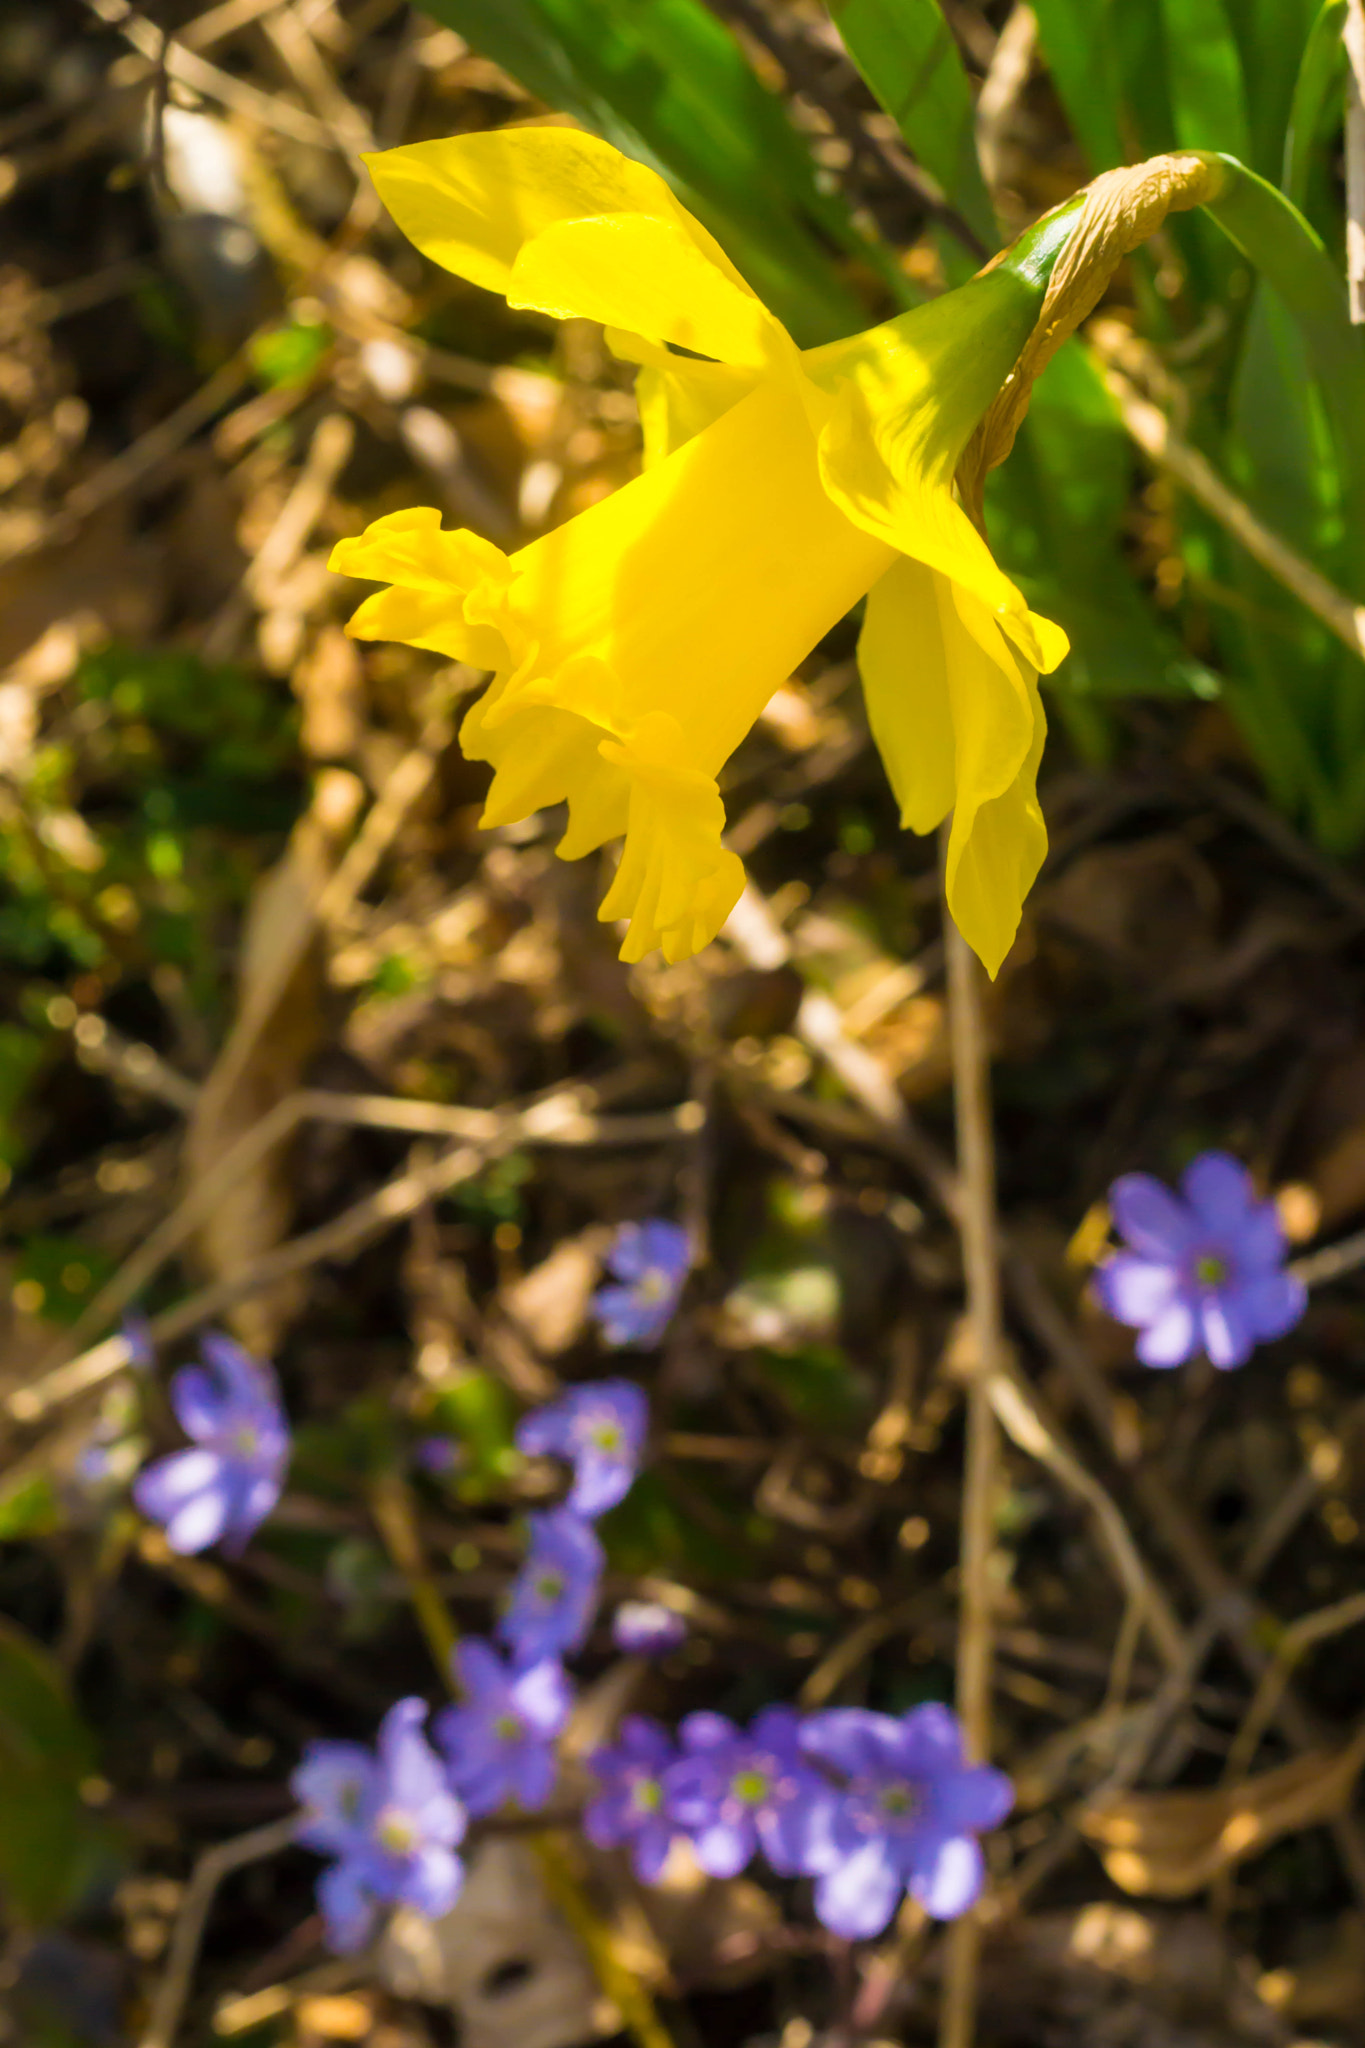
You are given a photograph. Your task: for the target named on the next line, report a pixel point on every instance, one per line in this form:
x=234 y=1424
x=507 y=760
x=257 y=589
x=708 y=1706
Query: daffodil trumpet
x=633 y=647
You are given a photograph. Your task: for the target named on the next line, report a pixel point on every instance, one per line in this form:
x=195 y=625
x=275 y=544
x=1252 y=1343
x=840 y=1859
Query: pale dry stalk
x=1353 y=32
x=981 y=1258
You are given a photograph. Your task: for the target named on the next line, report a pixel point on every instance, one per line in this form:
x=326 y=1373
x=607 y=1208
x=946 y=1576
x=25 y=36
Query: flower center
x=549 y=1586
x=507 y=1728
x=395 y=1832
x=652 y=1285
x=897 y=1801
x=1210 y=1270
x=648 y=1795
x=245 y=1441
x=606 y=1436
x=750 y=1786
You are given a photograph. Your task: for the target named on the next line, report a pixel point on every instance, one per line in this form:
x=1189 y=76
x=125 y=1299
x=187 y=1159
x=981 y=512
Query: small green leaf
x=22 y=1053
x=46 y=1754
x=477 y=1410
x=28 y=1507
x=284 y=356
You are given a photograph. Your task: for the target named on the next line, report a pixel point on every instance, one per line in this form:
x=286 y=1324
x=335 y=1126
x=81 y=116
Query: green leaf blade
x=906 y=52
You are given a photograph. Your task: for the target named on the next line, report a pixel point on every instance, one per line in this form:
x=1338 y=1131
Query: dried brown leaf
x=1170 y=1844
x=276 y=1030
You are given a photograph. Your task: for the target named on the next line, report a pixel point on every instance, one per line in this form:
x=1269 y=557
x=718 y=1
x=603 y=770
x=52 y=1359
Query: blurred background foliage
x=186 y=741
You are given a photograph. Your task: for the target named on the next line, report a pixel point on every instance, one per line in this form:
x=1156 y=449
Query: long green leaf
x=1271 y=35
x=1321 y=69
x=667 y=83
x=1274 y=236
x=906 y=52
x=1204 y=78
x=1082 y=58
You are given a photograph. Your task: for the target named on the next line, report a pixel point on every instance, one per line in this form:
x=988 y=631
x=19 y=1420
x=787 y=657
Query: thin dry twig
x=1299 y=1637
x=1018 y=1413
x=209 y=1872
x=136 y=462
x=268 y=110
x=558 y=1119
x=1315 y=1269
x=1149 y=427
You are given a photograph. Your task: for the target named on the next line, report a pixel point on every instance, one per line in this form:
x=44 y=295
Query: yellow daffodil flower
x=634 y=646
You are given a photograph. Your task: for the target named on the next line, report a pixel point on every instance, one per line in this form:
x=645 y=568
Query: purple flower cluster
x=870 y=1806
x=392 y=1823
x=223 y=1490
x=900 y=1814
x=1203 y=1270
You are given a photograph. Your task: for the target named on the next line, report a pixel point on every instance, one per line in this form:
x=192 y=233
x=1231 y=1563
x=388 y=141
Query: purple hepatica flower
x=1204 y=1269
x=907 y=1818
x=137 y=1335
x=646 y=1628
x=437 y=1456
x=227 y=1487
x=732 y=1792
x=499 y=1742
x=630 y=1811
x=600 y=1429
x=554 y=1596
x=651 y=1260
x=388 y=1818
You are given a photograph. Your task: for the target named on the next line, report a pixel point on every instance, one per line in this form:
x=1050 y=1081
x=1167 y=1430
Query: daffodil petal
x=903 y=399
x=561 y=221
x=630 y=270
x=678 y=401
x=993 y=863
x=959 y=724
x=903 y=661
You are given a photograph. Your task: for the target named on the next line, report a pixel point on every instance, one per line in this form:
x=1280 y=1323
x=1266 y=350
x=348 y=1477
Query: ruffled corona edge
x=556 y=734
